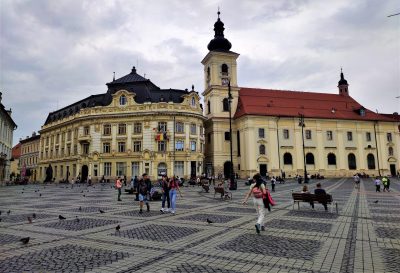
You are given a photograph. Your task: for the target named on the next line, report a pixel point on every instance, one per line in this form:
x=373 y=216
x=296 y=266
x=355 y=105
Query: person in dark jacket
x=165 y=194
x=320 y=191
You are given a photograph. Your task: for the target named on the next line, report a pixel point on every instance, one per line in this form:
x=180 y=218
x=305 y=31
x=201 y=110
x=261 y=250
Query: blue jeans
x=165 y=196
x=172 y=198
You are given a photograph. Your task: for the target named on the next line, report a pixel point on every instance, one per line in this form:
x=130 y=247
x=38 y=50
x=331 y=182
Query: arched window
x=122 y=100
x=225 y=104
x=331 y=159
x=351 y=158
x=193 y=101
x=208 y=73
x=224 y=69
x=371 y=162
x=287 y=159
x=162 y=169
x=208 y=107
x=262 y=149
x=390 y=151
x=310 y=159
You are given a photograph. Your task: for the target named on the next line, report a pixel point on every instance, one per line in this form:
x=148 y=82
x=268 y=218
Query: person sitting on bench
x=321 y=191
x=305 y=190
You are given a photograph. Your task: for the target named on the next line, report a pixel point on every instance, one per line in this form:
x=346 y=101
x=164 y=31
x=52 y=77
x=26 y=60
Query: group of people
x=143 y=188
x=385 y=181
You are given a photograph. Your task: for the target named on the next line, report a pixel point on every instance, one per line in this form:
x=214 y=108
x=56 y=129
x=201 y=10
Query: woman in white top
x=257 y=190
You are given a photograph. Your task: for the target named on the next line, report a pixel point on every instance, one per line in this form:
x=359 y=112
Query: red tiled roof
x=16 y=151
x=269 y=102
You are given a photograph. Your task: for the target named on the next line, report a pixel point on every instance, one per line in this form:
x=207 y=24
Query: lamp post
x=301 y=123
x=231 y=173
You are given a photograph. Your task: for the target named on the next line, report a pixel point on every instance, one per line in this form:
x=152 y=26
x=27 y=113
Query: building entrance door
x=393 y=170
x=85 y=172
x=263 y=170
x=192 y=168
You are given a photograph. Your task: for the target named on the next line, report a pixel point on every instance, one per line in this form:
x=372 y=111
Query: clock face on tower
x=225 y=81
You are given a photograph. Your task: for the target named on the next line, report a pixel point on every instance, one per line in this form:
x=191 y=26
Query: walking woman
x=165 y=194
x=257 y=190
x=173 y=188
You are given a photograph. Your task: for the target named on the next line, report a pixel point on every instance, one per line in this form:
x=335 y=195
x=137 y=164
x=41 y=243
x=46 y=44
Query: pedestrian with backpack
x=144 y=192
x=258 y=191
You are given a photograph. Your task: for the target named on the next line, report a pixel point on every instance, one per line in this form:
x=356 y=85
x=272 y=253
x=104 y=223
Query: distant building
x=134 y=128
x=341 y=137
x=7 y=127
x=28 y=161
x=14 y=165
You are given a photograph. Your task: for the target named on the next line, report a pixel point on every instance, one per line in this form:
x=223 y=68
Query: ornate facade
x=341 y=137
x=135 y=127
x=7 y=127
x=28 y=161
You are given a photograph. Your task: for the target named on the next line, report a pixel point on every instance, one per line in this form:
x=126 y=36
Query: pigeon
x=77 y=219
x=8 y=212
x=118 y=228
x=376 y=201
x=80 y=208
x=81 y=191
x=34 y=215
x=25 y=240
x=84 y=195
x=29 y=220
x=40 y=195
x=61 y=217
x=101 y=211
x=209 y=221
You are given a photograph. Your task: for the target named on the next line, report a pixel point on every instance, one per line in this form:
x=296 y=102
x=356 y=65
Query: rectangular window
x=75 y=133
x=209 y=138
x=86 y=130
x=308 y=134
x=57 y=138
x=121 y=147
x=285 y=133
x=193 y=129
x=137 y=146
x=68 y=149
x=193 y=146
x=180 y=127
x=179 y=168
x=69 y=135
x=135 y=169
x=137 y=128
x=261 y=133
x=238 y=142
x=389 y=137
x=162 y=126
x=350 y=136
x=107 y=168
x=227 y=136
x=106 y=148
x=368 y=136
x=61 y=170
x=180 y=145
x=122 y=129
x=75 y=149
x=161 y=146
x=121 y=169
x=107 y=129
x=85 y=148
x=329 y=135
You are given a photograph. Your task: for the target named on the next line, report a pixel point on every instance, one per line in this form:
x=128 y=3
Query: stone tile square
x=82 y=224
x=65 y=258
x=159 y=233
x=145 y=214
x=90 y=209
x=238 y=210
x=388 y=232
x=273 y=246
x=392 y=259
x=191 y=268
x=9 y=239
x=299 y=225
x=312 y=214
x=386 y=219
x=220 y=218
x=16 y=218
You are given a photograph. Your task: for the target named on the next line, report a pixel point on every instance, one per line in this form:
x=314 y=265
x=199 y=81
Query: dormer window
x=122 y=100
x=224 y=70
x=193 y=102
x=362 y=112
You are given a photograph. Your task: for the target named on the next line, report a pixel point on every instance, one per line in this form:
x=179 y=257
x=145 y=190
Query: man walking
x=377 y=184
x=118 y=185
x=273 y=182
x=144 y=192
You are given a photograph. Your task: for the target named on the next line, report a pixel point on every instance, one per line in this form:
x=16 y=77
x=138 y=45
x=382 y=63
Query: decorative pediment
x=263 y=159
x=392 y=159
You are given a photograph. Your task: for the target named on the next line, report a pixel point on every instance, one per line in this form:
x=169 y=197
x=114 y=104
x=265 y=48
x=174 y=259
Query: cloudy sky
x=54 y=53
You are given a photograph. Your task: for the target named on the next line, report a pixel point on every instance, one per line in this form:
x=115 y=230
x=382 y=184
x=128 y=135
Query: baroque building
x=135 y=127
x=7 y=127
x=341 y=137
x=29 y=158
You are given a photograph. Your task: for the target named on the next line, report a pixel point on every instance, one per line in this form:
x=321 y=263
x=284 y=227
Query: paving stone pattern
x=363 y=237
x=157 y=233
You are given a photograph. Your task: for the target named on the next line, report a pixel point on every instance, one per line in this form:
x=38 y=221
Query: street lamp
x=231 y=173
x=301 y=123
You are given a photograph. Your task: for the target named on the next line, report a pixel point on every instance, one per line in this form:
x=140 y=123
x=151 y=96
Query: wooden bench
x=315 y=198
x=224 y=194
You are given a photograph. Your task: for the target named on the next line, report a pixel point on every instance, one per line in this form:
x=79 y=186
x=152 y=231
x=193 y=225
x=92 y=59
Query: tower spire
x=343 y=85
x=219 y=43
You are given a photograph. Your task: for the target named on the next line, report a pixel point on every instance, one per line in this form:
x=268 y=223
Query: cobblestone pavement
x=363 y=237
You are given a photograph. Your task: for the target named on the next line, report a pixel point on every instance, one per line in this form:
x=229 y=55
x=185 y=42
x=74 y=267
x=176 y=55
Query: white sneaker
x=173 y=212
x=162 y=209
x=166 y=210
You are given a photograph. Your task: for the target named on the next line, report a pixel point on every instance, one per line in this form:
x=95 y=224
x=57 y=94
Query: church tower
x=343 y=85
x=220 y=71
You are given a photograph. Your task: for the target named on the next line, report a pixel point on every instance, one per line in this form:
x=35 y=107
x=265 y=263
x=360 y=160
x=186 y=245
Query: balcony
x=84 y=138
